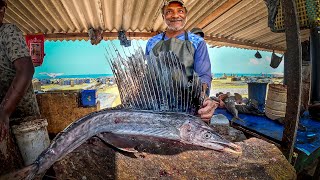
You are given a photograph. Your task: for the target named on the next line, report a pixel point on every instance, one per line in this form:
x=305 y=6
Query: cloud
x=253 y=61
x=268 y=58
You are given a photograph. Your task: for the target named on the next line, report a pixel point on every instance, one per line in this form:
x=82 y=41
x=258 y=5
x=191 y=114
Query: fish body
x=159 y=84
x=180 y=127
x=230 y=104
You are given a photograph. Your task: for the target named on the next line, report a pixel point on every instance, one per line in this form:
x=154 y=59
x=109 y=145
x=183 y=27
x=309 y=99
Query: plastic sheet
x=307 y=141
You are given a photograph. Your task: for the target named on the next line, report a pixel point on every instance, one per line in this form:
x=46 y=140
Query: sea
x=78 y=76
x=95 y=76
x=218 y=75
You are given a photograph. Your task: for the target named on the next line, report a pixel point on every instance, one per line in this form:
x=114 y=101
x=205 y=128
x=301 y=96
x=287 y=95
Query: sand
x=109 y=95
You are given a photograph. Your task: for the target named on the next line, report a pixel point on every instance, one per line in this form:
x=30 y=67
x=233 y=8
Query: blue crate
x=88 y=98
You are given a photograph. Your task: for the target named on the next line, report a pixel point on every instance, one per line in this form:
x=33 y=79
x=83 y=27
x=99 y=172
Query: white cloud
x=254 y=61
x=268 y=58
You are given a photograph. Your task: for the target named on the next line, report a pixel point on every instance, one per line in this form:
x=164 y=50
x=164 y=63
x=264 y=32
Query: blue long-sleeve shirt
x=202 y=65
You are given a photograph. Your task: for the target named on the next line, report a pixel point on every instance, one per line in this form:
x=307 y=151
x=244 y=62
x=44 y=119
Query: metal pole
x=293 y=61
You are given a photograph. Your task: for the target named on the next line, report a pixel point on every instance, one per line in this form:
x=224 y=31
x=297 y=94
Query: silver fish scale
x=138 y=129
x=155 y=83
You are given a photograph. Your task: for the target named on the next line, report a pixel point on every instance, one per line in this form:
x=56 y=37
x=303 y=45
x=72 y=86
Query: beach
x=108 y=95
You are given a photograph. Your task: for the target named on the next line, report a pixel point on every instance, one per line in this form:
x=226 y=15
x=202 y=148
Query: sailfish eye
x=207 y=135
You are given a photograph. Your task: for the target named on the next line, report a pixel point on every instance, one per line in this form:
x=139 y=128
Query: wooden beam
x=249 y=45
x=218 y=12
x=293 y=70
x=228 y=42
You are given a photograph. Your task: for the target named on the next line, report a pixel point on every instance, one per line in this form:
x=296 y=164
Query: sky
x=82 y=58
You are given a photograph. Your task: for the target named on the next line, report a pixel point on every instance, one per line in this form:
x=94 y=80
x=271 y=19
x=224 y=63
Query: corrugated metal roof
x=234 y=23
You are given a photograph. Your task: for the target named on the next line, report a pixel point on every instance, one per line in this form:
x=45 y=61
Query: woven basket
x=308 y=12
x=273 y=114
x=276 y=101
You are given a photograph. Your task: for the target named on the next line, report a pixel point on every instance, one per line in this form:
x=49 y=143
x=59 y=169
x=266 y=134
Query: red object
x=36 y=48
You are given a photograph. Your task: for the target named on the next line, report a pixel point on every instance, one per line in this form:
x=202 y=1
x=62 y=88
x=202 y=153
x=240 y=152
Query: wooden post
x=293 y=60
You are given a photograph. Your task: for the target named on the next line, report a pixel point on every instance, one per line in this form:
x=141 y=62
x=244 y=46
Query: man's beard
x=184 y=22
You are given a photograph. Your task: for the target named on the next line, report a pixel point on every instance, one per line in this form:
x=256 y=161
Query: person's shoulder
x=195 y=39
x=153 y=41
x=8 y=27
x=155 y=38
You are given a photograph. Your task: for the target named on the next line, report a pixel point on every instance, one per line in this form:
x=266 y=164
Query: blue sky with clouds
x=80 y=58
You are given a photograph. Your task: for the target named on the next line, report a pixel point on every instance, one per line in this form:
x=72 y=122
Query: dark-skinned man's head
x=174 y=14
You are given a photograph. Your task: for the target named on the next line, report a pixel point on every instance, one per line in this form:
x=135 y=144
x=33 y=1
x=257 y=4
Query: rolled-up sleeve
x=202 y=64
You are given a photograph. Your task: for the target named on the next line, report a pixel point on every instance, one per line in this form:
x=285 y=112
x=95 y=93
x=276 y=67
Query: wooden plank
x=229 y=14
x=245 y=29
x=271 y=37
x=229 y=42
x=249 y=45
x=218 y=12
x=243 y=20
x=257 y=34
x=195 y=12
x=278 y=40
x=25 y=15
x=94 y=159
x=293 y=70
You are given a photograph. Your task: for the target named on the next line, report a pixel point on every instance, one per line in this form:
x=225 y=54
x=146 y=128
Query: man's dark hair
x=3 y=3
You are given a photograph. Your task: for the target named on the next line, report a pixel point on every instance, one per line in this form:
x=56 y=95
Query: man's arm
x=202 y=64
x=21 y=82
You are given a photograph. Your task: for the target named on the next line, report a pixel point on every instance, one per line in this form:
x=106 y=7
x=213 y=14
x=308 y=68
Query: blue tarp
x=307 y=141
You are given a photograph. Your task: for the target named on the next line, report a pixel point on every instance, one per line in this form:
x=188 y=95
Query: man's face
x=175 y=16
x=2 y=11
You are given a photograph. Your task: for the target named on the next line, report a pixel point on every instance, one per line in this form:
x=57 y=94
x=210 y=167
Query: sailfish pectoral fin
x=117 y=142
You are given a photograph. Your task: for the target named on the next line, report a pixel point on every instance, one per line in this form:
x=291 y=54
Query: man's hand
x=207 y=109
x=4 y=125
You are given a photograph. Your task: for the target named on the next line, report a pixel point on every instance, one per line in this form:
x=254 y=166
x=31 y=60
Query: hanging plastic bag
x=258 y=55
x=275 y=60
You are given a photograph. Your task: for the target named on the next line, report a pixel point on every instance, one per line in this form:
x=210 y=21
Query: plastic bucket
x=258 y=91
x=32 y=138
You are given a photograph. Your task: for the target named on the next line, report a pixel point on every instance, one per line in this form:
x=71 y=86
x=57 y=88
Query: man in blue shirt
x=191 y=49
